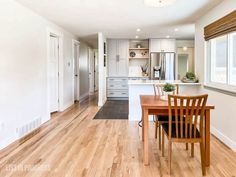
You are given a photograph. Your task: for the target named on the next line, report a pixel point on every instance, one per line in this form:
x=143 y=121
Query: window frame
x=228 y=87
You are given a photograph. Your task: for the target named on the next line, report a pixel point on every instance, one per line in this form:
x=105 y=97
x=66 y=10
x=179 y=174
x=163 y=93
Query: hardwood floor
x=72 y=144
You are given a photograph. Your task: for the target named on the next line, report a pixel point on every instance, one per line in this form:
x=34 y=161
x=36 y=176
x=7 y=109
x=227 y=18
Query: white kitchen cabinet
x=123 y=49
x=112 y=67
x=117 y=88
x=118 y=57
x=112 y=49
x=162 y=45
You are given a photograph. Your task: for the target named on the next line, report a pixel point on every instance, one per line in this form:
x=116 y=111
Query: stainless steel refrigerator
x=162 y=66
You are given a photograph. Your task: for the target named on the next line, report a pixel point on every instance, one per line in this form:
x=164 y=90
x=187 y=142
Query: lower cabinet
x=117 y=88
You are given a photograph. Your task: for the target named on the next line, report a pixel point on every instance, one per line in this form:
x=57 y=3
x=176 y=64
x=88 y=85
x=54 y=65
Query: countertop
x=161 y=82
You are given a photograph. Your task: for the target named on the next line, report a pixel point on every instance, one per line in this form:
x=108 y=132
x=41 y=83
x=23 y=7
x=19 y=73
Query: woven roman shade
x=221 y=27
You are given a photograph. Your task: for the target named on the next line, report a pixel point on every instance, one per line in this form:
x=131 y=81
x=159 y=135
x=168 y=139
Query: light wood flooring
x=72 y=144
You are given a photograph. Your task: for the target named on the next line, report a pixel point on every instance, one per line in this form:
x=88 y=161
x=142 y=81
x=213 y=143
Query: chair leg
x=163 y=143
x=186 y=146
x=156 y=126
x=169 y=156
x=202 y=151
x=159 y=136
x=192 y=149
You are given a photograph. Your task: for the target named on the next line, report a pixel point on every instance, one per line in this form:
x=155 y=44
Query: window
x=219 y=59
x=232 y=59
x=221 y=62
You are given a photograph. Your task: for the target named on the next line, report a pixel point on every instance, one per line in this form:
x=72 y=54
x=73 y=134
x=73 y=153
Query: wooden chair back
x=189 y=111
x=158 y=89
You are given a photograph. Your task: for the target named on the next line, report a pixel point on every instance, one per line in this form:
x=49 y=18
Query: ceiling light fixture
x=138 y=30
x=176 y=29
x=168 y=36
x=136 y=37
x=158 y=3
x=185 y=48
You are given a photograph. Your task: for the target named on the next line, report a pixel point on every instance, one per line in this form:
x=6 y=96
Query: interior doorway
x=96 y=70
x=182 y=64
x=91 y=71
x=76 y=70
x=185 y=61
x=54 y=73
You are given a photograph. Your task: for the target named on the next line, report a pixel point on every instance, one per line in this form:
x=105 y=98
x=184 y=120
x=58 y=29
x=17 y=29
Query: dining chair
x=189 y=128
x=158 y=91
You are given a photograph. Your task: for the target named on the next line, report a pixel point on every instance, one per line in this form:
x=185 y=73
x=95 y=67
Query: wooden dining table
x=153 y=105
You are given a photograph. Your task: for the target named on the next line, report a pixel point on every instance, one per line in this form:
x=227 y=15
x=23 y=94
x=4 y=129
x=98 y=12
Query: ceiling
x=121 y=18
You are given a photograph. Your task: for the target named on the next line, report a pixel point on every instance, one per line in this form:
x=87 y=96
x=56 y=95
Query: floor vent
x=27 y=128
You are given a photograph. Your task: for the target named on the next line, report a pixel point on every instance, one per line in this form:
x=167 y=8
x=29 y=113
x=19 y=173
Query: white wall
x=84 y=70
x=102 y=71
x=223 y=118
x=23 y=68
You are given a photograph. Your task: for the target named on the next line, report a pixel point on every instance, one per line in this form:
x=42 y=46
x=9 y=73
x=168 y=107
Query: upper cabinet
x=118 y=57
x=162 y=45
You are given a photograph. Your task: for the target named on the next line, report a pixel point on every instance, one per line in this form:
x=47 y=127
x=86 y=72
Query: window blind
x=221 y=27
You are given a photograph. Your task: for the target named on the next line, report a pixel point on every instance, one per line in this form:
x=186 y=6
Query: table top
x=155 y=101
x=161 y=82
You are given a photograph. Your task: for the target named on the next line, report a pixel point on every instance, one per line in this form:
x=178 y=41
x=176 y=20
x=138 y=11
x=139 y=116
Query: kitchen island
x=145 y=87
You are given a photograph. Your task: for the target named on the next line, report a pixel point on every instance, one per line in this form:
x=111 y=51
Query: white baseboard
x=67 y=105
x=83 y=97
x=101 y=102
x=226 y=140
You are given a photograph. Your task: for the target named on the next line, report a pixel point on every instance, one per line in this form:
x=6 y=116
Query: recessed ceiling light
x=185 y=48
x=158 y=3
x=136 y=37
x=176 y=29
x=167 y=36
x=138 y=30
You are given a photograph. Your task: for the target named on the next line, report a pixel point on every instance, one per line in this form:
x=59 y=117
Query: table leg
x=145 y=126
x=142 y=126
x=207 y=137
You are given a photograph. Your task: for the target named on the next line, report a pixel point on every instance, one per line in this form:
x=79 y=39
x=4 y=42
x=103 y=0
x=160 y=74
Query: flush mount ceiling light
x=185 y=48
x=158 y=3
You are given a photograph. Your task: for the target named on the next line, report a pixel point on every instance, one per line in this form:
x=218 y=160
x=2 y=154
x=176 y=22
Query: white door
x=112 y=65
x=95 y=70
x=123 y=47
x=76 y=72
x=54 y=73
x=122 y=68
x=112 y=57
x=91 y=71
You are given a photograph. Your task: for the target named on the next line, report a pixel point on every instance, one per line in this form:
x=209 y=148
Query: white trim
x=226 y=140
x=67 y=105
x=101 y=102
x=61 y=66
x=83 y=97
x=207 y=69
x=224 y=87
x=75 y=42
